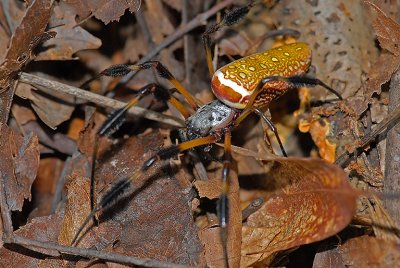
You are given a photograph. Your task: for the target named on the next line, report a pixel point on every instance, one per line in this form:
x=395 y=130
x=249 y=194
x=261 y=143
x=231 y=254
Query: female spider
x=241 y=88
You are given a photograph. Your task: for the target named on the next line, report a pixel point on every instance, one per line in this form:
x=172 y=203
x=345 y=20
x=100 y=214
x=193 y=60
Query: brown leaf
x=77 y=208
x=388 y=33
x=69 y=39
x=368 y=251
x=386 y=29
x=378 y=75
x=41 y=229
x=22 y=114
x=25 y=38
x=210 y=236
x=313 y=200
x=44 y=187
x=328 y=259
x=19 y=164
x=61 y=109
x=153 y=220
x=104 y=10
x=158 y=22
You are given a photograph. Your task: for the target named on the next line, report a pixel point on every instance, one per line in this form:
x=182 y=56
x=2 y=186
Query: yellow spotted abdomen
x=235 y=82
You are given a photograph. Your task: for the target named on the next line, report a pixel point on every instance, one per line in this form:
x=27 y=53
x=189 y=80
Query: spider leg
x=223 y=202
x=116 y=119
x=231 y=18
x=292 y=82
x=272 y=127
x=247 y=111
x=295 y=81
x=124 y=69
x=122 y=185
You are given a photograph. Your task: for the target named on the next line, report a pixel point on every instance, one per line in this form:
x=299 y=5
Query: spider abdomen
x=235 y=82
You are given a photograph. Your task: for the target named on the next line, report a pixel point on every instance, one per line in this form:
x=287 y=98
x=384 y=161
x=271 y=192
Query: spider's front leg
x=223 y=202
x=115 y=120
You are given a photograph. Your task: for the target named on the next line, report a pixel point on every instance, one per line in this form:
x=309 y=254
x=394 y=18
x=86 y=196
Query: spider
x=241 y=87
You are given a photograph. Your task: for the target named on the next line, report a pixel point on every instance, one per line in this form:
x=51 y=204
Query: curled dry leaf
x=18 y=166
x=313 y=200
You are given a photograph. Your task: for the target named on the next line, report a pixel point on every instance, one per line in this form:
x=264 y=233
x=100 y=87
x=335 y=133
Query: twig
x=144 y=28
x=367 y=139
x=5 y=214
x=91 y=253
x=186 y=47
x=197 y=21
x=391 y=180
x=99 y=100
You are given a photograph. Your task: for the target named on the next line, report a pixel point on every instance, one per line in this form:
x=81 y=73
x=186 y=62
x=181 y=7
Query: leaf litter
x=164 y=215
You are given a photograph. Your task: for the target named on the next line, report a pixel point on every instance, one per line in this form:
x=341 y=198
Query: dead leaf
x=368 y=251
x=386 y=29
x=40 y=229
x=61 y=109
x=104 y=10
x=388 y=34
x=154 y=219
x=25 y=38
x=22 y=114
x=328 y=259
x=19 y=164
x=211 y=236
x=69 y=39
x=76 y=210
x=312 y=201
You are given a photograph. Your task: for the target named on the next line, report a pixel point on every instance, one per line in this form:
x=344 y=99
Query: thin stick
x=91 y=253
x=43 y=84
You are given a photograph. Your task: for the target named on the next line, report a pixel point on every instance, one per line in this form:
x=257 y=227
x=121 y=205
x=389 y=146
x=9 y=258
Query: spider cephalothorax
x=210 y=118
